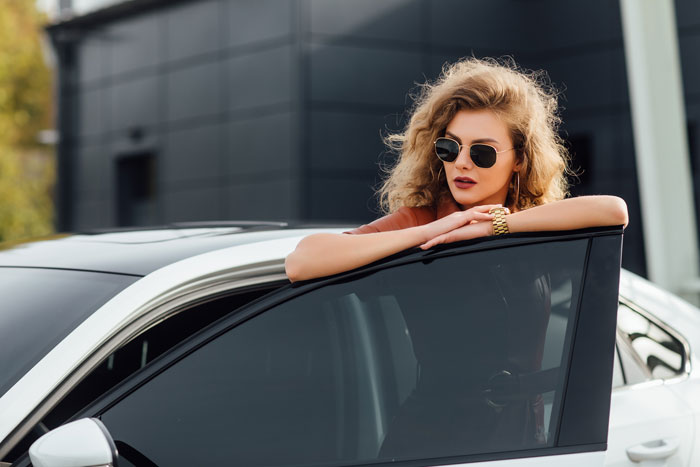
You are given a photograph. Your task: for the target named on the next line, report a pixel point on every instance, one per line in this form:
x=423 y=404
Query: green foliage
x=26 y=168
x=26 y=208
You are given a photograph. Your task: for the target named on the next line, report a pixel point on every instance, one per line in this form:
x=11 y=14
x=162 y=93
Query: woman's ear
x=518 y=164
x=520 y=161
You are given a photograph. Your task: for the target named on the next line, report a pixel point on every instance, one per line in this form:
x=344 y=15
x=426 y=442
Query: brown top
x=408 y=217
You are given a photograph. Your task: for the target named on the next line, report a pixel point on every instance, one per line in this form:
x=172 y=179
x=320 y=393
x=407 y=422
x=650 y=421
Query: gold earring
x=517 y=189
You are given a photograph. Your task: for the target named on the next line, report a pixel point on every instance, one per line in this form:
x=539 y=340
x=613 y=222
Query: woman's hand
x=475 y=229
x=568 y=214
x=456 y=220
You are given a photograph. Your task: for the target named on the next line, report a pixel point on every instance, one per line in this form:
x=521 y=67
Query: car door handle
x=656 y=450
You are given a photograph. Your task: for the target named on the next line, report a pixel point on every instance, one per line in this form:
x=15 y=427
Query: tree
x=26 y=167
x=26 y=207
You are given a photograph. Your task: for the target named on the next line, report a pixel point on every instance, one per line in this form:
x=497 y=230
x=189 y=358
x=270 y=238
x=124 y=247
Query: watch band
x=500 y=226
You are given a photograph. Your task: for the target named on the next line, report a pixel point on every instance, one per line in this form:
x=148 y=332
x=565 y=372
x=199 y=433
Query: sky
x=47 y=5
x=80 y=6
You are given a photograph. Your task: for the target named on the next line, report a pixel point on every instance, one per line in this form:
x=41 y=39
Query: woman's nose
x=464 y=161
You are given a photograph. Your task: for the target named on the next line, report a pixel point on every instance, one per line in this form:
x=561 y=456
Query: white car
x=188 y=346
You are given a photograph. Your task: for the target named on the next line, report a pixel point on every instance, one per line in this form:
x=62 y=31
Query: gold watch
x=500 y=226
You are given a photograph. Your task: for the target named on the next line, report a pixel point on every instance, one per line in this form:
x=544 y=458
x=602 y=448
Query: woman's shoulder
x=402 y=218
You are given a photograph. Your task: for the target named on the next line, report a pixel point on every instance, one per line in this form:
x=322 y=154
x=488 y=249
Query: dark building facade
x=174 y=111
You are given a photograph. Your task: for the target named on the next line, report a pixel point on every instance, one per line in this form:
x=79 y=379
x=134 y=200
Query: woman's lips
x=464 y=182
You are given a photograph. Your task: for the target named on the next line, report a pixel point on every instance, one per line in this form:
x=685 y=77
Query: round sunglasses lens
x=446 y=149
x=483 y=155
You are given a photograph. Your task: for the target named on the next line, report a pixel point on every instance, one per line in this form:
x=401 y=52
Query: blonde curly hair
x=525 y=102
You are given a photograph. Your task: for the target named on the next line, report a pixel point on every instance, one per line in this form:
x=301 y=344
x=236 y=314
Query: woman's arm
x=325 y=253
x=571 y=213
x=567 y=214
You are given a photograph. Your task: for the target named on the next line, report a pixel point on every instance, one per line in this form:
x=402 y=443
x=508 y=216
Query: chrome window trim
x=687 y=364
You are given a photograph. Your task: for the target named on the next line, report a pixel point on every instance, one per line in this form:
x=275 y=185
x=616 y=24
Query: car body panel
x=688 y=392
x=644 y=413
x=658 y=409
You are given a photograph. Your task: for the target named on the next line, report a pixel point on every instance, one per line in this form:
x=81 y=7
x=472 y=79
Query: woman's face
x=471 y=185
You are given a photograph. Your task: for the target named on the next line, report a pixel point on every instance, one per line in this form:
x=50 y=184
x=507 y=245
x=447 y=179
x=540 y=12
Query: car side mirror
x=82 y=443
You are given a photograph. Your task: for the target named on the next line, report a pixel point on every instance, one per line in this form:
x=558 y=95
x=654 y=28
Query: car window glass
x=42 y=306
x=136 y=354
x=453 y=356
x=662 y=353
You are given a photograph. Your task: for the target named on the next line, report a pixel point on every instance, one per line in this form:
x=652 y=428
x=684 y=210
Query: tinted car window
x=42 y=306
x=458 y=355
x=663 y=354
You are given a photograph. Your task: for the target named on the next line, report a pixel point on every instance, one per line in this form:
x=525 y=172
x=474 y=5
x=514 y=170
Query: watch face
x=506 y=211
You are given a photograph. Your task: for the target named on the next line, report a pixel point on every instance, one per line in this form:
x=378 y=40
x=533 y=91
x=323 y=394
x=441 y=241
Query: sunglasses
x=482 y=155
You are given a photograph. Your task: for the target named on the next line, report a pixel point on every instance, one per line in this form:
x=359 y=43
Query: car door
x=495 y=351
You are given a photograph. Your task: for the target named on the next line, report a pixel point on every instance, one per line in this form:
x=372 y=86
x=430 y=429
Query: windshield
x=39 y=307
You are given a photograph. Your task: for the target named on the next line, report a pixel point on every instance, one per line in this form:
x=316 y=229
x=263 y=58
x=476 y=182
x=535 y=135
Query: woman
x=480 y=156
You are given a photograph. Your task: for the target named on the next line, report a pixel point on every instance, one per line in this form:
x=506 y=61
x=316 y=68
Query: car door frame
x=579 y=430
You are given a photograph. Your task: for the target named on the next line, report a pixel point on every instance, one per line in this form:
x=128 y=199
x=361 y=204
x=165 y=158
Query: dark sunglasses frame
x=482 y=155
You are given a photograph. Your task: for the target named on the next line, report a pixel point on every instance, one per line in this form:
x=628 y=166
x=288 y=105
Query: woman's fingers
x=484 y=208
x=476 y=213
x=448 y=237
x=467 y=232
x=435 y=241
x=459 y=219
x=479 y=213
x=482 y=216
x=470 y=217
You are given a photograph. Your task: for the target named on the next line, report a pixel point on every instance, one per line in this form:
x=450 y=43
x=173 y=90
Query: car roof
x=138 y=252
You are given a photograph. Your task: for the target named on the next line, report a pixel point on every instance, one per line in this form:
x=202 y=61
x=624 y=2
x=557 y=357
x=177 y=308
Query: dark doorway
x=136 y=189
